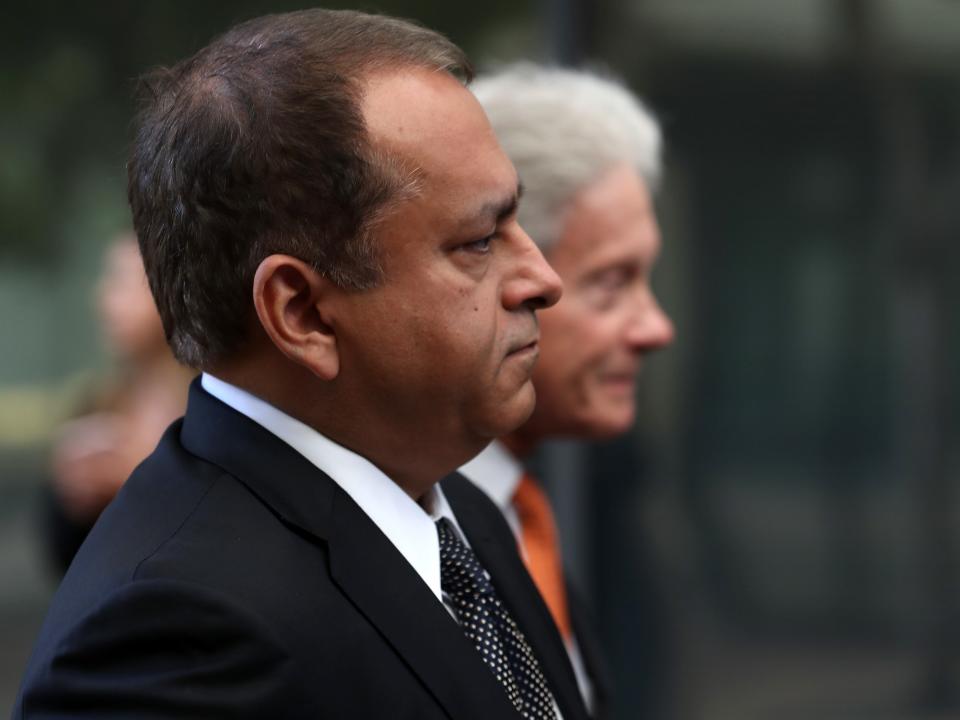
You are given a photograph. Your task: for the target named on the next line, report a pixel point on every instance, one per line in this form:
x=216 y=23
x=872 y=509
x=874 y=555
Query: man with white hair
x=589 y=155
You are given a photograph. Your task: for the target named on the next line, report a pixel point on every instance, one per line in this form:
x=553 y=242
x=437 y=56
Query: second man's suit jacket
x=231 y=578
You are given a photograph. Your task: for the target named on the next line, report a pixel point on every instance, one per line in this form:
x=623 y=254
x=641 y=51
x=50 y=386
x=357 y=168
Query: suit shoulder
x=158 y=648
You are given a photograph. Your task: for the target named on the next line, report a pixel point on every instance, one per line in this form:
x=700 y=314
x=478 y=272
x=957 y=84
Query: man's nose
x=651 y=328
x=534 y=282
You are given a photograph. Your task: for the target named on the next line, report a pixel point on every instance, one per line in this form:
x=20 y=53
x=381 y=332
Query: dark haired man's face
x=442 y=352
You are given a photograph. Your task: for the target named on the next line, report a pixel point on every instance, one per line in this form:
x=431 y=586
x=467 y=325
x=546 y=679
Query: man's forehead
x=423 y=115
x=434 y=127
x=612 y=221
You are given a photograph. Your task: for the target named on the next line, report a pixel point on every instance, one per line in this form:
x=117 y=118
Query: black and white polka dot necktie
x=491 y=629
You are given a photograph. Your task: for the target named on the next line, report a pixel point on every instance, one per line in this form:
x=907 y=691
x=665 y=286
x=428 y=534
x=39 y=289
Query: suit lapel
x=590 y=651
x=497 y=552
x=285 y=481
x=383 y=586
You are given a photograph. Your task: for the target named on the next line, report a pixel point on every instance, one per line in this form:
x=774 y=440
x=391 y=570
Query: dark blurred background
x=780 y=537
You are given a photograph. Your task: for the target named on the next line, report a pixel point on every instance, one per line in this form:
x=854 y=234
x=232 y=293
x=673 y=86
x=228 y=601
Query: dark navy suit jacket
x=231 y=578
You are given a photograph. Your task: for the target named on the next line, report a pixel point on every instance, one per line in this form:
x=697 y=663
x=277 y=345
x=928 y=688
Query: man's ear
x=289 y=298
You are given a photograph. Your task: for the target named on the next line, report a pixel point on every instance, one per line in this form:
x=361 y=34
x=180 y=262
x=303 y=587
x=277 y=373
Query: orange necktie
x=542 y=549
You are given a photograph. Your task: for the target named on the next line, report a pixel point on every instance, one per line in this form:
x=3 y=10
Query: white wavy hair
x=563 y=129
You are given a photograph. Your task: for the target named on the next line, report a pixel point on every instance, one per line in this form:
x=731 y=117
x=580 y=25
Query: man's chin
x=525 y=404
x=607 y=425
x=515 y=412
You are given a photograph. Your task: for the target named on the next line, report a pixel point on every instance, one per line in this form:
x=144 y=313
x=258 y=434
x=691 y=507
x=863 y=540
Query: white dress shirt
x=497 y=472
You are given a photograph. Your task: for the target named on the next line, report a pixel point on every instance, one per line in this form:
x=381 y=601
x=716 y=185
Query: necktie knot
x=460 y=571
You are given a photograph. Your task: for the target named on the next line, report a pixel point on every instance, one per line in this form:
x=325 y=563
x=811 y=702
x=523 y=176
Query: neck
x=415 y=461
x=520 y=443
x=411 y=460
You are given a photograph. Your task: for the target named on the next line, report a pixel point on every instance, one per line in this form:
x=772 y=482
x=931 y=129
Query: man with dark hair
x=329 y=229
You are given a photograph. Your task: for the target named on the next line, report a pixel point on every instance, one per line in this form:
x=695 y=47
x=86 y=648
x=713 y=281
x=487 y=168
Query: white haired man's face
x=593 y=341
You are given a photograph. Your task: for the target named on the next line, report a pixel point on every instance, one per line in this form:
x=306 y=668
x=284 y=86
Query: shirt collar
x=407 y=525
x=497 y=472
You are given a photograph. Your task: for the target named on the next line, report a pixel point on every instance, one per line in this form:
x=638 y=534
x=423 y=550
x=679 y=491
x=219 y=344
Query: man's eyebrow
x=496 y=211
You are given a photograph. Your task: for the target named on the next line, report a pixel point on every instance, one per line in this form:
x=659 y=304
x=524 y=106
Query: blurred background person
x=589 y=156
x=124 y=415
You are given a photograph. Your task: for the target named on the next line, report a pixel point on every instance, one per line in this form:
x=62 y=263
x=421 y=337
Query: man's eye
x=480 y=247
x=606 y=289
x=601 y=298
x=614 y=279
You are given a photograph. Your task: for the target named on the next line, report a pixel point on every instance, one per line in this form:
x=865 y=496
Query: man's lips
x=625 y=375
x=532 y=346
x=620 y=377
